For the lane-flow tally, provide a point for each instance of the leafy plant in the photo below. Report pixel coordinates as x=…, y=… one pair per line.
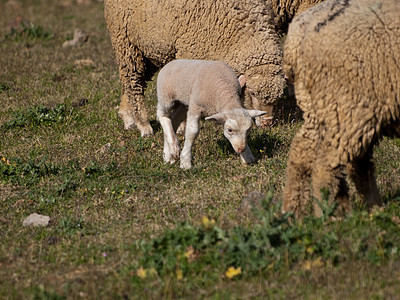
x=26, y=173
x=70, y=226
x=28, y=30
x=38, y=115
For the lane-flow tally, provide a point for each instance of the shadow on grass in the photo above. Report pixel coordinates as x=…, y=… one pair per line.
x=287, y=110
x=393, y=196
x=261, y=144
x=156, y=126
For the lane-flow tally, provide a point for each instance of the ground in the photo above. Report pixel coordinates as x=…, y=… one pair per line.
x=125, y=225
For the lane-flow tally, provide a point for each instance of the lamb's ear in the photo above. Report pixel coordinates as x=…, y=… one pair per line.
x=219, y=118
x=256, y=113
x=242, y=81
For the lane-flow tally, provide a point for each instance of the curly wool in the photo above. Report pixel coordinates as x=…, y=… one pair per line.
x=286, y=10
x=344, y=58
x=147, y=34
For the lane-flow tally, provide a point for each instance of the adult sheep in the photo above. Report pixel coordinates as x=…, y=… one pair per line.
x=344, y=59
x=148, y=34
x=286, y=10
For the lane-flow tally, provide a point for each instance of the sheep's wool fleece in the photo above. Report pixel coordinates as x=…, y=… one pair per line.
x=240, y=33
x=286, y=10
x=344, y=57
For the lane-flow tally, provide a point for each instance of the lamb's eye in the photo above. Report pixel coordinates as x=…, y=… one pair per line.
x=230, y=130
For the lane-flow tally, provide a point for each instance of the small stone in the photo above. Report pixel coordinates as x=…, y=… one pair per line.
x=36, y=220
x=84, y=62
x=3, y=220
x=105, y=148
x=79, y=38
x=253, y=199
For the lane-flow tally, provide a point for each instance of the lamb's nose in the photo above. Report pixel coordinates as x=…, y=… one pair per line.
x=241, y=150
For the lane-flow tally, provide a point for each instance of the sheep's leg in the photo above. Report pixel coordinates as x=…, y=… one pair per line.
x=362, y=172
x=331, y=179
x=132, y=72
x=247, y=157
x=298, y=172
x=192, y=130
x=171, y=143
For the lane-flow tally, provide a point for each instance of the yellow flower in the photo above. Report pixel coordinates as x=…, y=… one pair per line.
x=189, y=254
x=6, y=161
x=141, y=273
x=316, y=263
x=207, y=223
x=179, y=274
x=232, y=272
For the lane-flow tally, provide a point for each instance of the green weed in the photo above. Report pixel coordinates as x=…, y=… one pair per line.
x=37, y=116
x=27, y=30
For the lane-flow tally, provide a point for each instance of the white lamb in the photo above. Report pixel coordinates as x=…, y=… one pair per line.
x=190, y=89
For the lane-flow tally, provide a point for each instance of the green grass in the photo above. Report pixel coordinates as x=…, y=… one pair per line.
x=126, y=225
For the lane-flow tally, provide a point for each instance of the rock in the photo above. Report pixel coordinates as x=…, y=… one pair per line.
x=3, y=220
x=252, y=200
x=79, y=38
x=84, y=63
x=105, y=148
x=36, y=220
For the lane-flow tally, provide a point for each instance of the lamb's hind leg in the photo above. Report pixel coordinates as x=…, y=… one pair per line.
x=171, y=143
x=132, y=75
x=298, y=172
x=362, y=172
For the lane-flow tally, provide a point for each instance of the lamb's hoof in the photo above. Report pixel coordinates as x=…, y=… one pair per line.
x=248, y=160
x=169, y=159
x=181, y=129
x=186, y=166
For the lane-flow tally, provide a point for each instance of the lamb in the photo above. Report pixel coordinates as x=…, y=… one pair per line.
x=190, y=89
x=148, y=34
x=344, y=59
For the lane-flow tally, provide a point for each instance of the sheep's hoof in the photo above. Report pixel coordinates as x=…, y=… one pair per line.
x=264, y=122
x=146, y=131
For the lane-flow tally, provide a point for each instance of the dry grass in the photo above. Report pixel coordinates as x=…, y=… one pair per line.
x=102, y=202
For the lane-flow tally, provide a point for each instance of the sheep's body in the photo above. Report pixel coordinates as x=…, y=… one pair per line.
x=286, y=10
x=344, y=58
x=190, y=89
x=148, y=34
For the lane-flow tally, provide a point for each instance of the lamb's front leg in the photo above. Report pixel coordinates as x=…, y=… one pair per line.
x=192, y=131
x=247, y=157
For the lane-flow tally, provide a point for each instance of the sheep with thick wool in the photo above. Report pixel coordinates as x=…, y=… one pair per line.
x=344, y=59
x=286, y=10
x=191, y=89
x=148, y=34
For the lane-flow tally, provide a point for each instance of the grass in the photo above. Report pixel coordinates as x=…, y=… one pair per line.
x=124, y=224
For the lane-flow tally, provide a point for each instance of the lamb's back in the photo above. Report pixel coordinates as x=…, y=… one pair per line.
x=207, y=83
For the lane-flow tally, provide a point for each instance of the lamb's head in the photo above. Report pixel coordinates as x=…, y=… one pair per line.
x=237, y=123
